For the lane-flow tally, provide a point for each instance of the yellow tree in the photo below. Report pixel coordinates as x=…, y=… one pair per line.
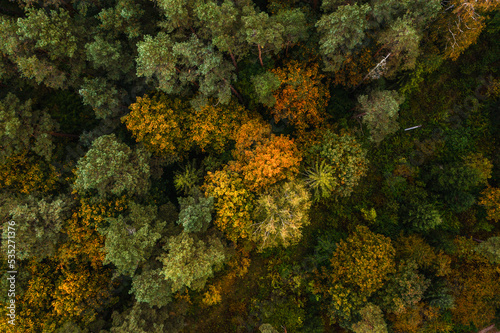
x=475, y=284
x=490, y=200
x=359, y=266
x=158, y=121
x=233, y=203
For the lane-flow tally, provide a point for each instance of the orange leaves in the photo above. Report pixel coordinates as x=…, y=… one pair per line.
x=264, y=158
x=301, y=98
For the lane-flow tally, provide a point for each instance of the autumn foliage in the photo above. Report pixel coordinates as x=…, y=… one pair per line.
x=301, y=98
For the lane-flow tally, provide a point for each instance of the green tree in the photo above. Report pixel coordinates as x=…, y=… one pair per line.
x=223, y=23
x=150, y=287
x=22, y=128
x=401, y=42
x=102, y=96
x=38, y=226
x=490, y=249
x=404, y=288
x=182, y=65
x=341, y=32
x=112, y=167
x=189, y=262
x=142, y=318
x=264, y=85
x=280, y=214
x=130, y=240
x=262, y=30
x=372, y=320
x=196, y=213
x=380, y=111
x=345, y=156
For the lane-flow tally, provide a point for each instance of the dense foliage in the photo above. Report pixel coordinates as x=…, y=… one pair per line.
x=250, y=166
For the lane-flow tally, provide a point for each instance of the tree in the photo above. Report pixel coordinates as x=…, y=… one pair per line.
x=462, y=23
x=177, y=66
x=345, y=157
x=294, y=24
x=301, y=97
x=380, y=111
x=215, y=125
x=372, y=320
x=223, y=22
x=264, y=85
x=474, y=282
x=122, y=18
x=102, y=96
x=320, y=180
x=280, y=214
x=110, y=56
x=150, y=287
x=189, y=262
x=490, y=249
x=359, y=266
x=401, y=42
x=490, y=200
x=44, y=46
x=158, y=121
x=111, y=167
x=22, y=128
x=142, y=318
x=233, y=203
x=405, y=288
x=196, y=213
x=262, y=30
x=341, y=33
x=454, y=183
x=38, y=227
x=264, y=159
x=130, y=240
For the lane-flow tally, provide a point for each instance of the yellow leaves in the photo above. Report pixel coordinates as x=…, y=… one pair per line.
x=490, y=200
x=213, y=296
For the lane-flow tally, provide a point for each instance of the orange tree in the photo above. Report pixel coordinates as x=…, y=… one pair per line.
x=264, y=158
x=302, y=97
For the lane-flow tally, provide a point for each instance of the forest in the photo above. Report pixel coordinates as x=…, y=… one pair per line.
x=267, y=166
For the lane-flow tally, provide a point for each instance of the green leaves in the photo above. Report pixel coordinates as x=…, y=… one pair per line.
x=112, y=168
x=22, y=128
x=341, y=32
x=196, y=213
x=380, y=109
x=189, y=262
x=280, y=214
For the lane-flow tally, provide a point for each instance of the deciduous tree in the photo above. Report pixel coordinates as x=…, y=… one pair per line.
x=280, y=214
x=302, y=97
x=189, y=262
x=111, y=167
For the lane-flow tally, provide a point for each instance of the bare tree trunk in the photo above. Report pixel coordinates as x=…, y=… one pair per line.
x=260, y=55
x=234, y=59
